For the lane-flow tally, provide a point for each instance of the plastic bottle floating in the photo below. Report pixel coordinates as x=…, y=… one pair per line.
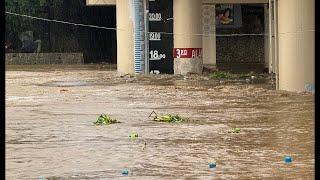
x=212, y=165
x=287, y=159
x=125, y=172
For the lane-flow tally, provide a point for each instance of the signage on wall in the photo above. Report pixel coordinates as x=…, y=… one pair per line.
x=155, y=55
x=224, y=14
x=160, y=37
x=228, y=15
x=191, y=53
x=155, y=17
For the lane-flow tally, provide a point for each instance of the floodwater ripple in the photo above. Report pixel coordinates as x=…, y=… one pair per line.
x=50, y=131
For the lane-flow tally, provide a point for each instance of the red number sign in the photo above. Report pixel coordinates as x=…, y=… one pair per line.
x=193, y=53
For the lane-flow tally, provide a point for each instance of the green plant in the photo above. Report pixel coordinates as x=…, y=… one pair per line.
x=166, y=118
x=26, y=7
x=104, y=119
x=235, y=130
x=220, y=75
x=134, y=135
x=229, y=75
x=246, y=75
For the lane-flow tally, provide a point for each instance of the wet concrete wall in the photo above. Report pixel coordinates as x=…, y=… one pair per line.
x=44, y=58
x=240, y=49
x=244, y=43
x=209, y=38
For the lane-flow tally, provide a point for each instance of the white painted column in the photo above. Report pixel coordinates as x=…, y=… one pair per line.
x=187, y=29
x=296, y=32
x=125, y=45
x=209, y=38
x=267, y=63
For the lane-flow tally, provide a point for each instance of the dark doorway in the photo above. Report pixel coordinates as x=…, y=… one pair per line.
x=100, y=45
x=72, y=36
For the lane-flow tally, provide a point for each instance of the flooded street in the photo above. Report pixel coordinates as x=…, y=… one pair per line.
x=50, y=131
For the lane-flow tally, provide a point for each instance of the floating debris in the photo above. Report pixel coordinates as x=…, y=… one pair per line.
x=145, y=146
x=125, y=172
x=134, y=135
x=248, y=77
x=166, y=118
x=220, y=75
x=126, y=76
x=212, y=165
x=104, y=119
x=234, y=130
x=287, y=159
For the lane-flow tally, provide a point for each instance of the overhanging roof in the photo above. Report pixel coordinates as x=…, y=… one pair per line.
x=234, y=1
x=113, y=2
x=100, y=2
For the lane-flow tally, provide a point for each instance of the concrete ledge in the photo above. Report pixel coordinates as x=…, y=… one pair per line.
x=210, y=66
x=44, y=58
x=257, y=67
x=186, y=66
x=100, y=2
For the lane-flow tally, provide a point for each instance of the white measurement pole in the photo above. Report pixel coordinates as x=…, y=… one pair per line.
x=146, y=38
x=271, y=62
x=276, y=50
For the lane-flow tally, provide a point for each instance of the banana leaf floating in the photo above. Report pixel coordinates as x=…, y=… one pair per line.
x=105, y=119
x=166, y=118
x=234, y=130
x=134, y=135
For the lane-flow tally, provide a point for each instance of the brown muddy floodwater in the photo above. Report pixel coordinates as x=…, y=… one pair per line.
x=50, y=133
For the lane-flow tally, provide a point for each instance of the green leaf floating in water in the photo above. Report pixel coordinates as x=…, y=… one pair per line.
x=104, y=119
x=220, y=75
x=167, y=118
x=234, y=130
x=134, y=135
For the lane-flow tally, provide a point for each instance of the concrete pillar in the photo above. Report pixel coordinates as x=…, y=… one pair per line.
x=187, y=29
x=296, y=33
x=209, y=38
x=125, y=45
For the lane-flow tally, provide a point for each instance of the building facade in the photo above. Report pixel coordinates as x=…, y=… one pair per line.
x=210, y=33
